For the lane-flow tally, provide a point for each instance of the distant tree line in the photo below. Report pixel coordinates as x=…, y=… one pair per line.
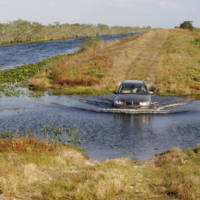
x=20, y=31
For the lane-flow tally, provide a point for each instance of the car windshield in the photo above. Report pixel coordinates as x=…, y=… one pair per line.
x=133, y=89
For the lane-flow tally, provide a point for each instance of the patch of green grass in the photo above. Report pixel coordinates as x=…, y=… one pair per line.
x=193, y=73
x=167, y=94
x=196, y=42
x=91, y=43
x=197, y=29
x=19, y=74
x=6, y=134
x=80, y=90
x=11, y=79
x=72, y=90
x=25, y=72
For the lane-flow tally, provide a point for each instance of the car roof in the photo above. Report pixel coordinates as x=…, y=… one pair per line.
x=132, y=82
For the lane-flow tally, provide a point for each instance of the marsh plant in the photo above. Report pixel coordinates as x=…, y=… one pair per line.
x=61, y=134
x=7, y=134
x=10, y=90
x=11, y=80
x=51, y=133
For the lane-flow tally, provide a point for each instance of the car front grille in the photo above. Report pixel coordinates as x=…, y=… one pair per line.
x=132, y=103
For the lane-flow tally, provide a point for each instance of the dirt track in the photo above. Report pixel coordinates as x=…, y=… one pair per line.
x=138, y=57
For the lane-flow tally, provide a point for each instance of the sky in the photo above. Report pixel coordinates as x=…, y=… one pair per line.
x=156, y=13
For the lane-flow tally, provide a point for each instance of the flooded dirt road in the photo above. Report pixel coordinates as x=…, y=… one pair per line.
x=106, y=135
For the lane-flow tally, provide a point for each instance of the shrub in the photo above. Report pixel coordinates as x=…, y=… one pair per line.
x=187, y=25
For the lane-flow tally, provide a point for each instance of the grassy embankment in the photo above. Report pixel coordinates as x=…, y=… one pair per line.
x=168, y=60
x=35, y=170
x=21, y=31
x=10, y=79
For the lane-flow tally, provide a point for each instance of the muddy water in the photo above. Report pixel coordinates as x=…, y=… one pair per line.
x=106, y=135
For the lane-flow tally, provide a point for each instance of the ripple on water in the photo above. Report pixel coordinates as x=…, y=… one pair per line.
x=106, y=135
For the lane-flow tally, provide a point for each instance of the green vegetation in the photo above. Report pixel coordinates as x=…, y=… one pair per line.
x=34, y=169
x=196, y=41
x=197, y=29
x=21, y=31
x=11, y=79
x=49, y=133
x=168, y=60
x=187, y=25
x=10, y=90
x=25, y=72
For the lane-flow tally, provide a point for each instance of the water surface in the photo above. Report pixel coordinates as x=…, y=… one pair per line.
x=105, y=135
x=16, y=55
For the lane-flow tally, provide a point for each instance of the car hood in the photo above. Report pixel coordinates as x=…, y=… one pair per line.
x=132, y=98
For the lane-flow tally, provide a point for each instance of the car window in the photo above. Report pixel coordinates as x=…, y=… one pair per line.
x=133, y=89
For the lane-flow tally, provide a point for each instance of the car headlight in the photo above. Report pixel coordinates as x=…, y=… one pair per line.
x=118, y=102
x=145, y=103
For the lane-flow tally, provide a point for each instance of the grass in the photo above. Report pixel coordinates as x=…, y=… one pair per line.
x=196, y=41
x=84, y=72
x=25, y=72
x=25, y=31
x=11, y=79
x=32, y=169
x=168, y=60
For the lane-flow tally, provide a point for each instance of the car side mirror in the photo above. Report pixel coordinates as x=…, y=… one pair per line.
x=151, y=92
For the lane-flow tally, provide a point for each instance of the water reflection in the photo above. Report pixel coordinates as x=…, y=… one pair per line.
x=133, y=120
x=105, y=135
x=133, y=124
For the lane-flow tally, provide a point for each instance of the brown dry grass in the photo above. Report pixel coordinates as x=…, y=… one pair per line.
x=26, y=145
x=31, y=169
x=85, y=69
x=168, y=60
x=40, y=82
